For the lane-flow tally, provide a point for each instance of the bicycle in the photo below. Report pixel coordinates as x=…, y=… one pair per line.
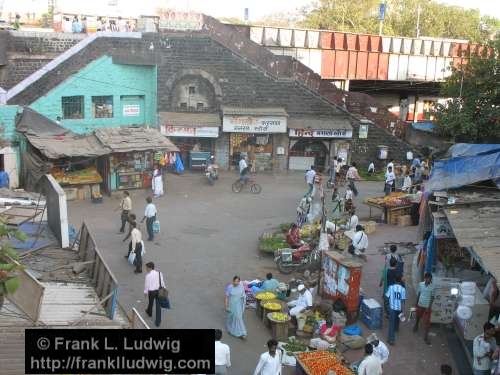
x=238, y=186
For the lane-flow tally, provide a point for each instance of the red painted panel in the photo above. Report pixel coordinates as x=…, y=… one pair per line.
x=383, y=66
x=375, y=43
x=339, y=41
x=455, y=49
x=361, y=65
x=341, y=64
x=371, y=71
x=363, y=42
x=326, y=40
x=457, y=61
x=327, y=63
x=353, y=57
x=351, y=41
x=464, y=49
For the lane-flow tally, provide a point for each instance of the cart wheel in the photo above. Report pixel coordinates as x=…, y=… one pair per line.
x=284, y=268
x=237, y=185
x=255, y=188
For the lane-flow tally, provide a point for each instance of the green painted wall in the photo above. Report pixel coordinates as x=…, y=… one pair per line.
x=133, y=88
x=8, y=122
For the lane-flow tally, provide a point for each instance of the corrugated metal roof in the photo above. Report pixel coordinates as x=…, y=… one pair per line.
x=478, y=227
x=336, y=123
x=69, y=145
x=190, y=119
x=127, y=139
x=259, y=111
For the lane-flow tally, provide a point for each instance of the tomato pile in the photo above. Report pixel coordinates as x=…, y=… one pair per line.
x=321, y=361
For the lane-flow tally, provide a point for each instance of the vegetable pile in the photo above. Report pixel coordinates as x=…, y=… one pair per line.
x=294, y=346
x=274, y=306
x=279, y=317
x=321, y=361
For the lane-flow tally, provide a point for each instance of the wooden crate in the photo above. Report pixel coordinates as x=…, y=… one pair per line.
x=404, y=221
x=395, y=212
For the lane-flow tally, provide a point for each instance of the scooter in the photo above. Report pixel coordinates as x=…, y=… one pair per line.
x=289, y=260
x=211, y=171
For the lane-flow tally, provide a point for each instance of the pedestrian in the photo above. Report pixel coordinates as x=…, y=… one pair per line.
x=353, y=221
x=309, y=177
x=388, y=278
x=484, y=350
x=302, y=210
x=359, y=242
x=222, y=355
x=371, y=169
x=150, y=217
x=131, y=219
x=17, y=22
x=390, y=165
x=270, y=361
x=348, y=196
x=157, y=182
x=243, y=166
x=393, y=253
x=425, y=297
x=446, y=369
x=380, y=350
x=397, y=297
x=125, y=207
x=389, y=180
x=353, y=175
x=235, y=302
x=332, y=170
x=136, y=246
x=407, y=183
x=302, y=303
x=152, y=284
x=370, y=365
x=415, y=206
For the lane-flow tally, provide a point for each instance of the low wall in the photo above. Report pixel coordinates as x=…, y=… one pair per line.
x=101, y=276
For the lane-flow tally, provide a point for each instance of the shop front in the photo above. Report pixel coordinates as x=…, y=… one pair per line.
x=193, y=133
x=254, y=133
x=316, y=141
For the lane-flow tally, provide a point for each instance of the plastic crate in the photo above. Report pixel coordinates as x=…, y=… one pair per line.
x=371, y=313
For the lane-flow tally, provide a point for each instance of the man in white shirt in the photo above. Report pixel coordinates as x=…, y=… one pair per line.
x=150, y=217
x=359, y=241
x=310, y=175
x=353, y=221
x=370, y=365
x=352, y=175
x=484, y=350
x=390, y=165
x=371, y=168
x=243, y=166
x=270, y=361
x=125, y=208
x=380, y=350
x=136, y=246
x=152, y=283
x=222, y=355
x=389, y=180
x=304, y=302
x=407, y=183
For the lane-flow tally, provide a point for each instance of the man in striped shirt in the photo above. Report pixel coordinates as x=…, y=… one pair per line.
x=396, y=294
x=425, y=297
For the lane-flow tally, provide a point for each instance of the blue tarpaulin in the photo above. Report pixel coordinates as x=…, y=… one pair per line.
x=425, y=126
x=470, y=164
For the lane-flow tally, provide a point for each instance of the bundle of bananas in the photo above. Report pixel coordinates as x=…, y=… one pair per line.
x=265, y=296
x=272, y=306
x=279, y=317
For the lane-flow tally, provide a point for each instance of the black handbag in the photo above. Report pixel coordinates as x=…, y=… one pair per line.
x=163, y=295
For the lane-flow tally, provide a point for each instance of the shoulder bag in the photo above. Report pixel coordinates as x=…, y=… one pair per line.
x=351, y=246
x=163, y=295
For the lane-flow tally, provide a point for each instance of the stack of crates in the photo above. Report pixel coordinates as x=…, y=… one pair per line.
x=371, y=313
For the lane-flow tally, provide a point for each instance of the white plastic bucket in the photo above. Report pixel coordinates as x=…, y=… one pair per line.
x=468, y=287
x=467, y=300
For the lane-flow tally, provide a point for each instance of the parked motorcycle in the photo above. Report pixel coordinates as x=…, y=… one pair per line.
x=211, y=171
x=305, y=257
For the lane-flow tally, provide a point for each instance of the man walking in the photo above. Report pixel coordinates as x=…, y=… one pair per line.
x=484, y=350
x=152, y=284
x=150, y=217
x=370, y=365
x=352, y=175
x=222, y=355
x=397, y=297
x=380, y=350
x=125, y=207
x=425, y=297
x=310, y=175
x=389, y=180
x=136, y=246
x=270, y=361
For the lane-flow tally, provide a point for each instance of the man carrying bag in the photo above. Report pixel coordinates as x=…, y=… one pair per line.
x=153, y=284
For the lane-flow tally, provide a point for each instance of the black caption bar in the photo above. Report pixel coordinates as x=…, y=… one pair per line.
x=123, y=351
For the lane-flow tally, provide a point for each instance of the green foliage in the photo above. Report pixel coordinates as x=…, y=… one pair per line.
x=473, y=113
x=9, y=281
x=269, y=245
x=436, y=20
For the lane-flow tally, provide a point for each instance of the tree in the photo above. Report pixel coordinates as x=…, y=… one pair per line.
x=473, y=113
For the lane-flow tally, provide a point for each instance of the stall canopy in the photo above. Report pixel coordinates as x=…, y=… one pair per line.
x=468, y=164
x=68, y=146
x=130, y=139
x=190, y=119
x=32, y=122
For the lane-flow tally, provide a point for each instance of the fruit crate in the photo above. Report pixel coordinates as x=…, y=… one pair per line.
x=395, y=212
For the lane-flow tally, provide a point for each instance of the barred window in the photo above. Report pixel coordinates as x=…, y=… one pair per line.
x=102, y=106
x=72, y=107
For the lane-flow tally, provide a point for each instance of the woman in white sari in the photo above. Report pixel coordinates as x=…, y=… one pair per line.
x=157, y=182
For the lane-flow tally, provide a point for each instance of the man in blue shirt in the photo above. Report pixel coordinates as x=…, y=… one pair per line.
x=4, y=179
x=396, y=294
x=270, y=284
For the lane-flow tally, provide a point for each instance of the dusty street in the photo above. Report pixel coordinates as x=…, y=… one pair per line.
x=209, y=234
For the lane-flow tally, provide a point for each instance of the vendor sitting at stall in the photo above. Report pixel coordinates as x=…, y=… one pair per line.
x=270, y=284
x=293, y=237
x=302, y=303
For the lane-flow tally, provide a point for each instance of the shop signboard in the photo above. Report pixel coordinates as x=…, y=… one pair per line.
x=442, y=227
x=173, y=20
x=187, y=131
x=363, y=131
x=320, y=133
x=131, y=110
x=251, y=124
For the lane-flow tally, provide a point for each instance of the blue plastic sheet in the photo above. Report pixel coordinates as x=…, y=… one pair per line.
x=471, y=149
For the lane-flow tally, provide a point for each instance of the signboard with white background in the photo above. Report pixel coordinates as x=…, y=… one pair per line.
x=251, y=124
x=187, y=131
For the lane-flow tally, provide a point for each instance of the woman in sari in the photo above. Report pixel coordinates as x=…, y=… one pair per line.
x=235, y=307
x=328, y=331
x=157, y=182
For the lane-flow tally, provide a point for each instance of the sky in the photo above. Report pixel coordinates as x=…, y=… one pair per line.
x=216, y=8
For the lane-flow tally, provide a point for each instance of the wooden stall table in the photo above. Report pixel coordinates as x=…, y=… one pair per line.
x=262, y=297
x=279, y=328
x=274, y=305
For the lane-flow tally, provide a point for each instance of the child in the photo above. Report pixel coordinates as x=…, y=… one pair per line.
x=348, y=199
x=371, y=169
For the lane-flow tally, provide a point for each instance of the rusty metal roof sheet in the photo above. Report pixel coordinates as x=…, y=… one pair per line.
x=128, y=139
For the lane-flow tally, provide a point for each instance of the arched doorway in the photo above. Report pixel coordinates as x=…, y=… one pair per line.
x=307, y=152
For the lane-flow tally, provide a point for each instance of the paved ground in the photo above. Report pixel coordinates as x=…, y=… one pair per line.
x=209, y=234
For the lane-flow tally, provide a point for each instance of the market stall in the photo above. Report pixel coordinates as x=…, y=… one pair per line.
x=321, y=362
x=396, y=208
